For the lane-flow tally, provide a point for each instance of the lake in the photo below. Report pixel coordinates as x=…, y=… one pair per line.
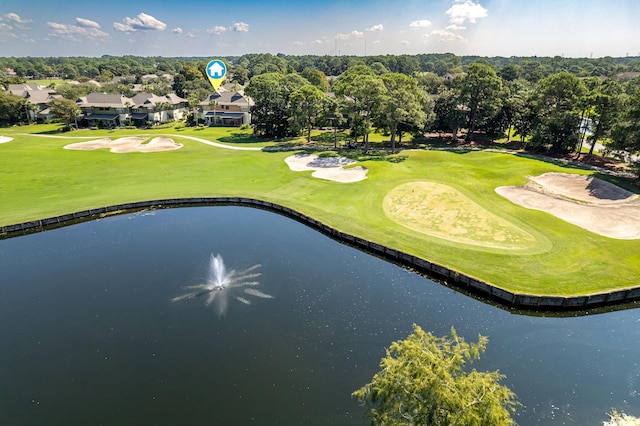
x=91, y=331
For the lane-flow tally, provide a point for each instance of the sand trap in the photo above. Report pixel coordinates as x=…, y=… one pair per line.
x=129, y=144
x=329, y=168
x=4, y=139
x=584, y=201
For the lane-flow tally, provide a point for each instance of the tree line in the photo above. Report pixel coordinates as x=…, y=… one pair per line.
x=250, y=65
x=558, y=113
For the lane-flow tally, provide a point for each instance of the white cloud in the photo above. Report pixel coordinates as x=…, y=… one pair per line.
x=142, y=22
x=177, y=30
x=378, y=27
x=87, y=23
x=72, y=32
x=298, y=43
x=423, y=23
x=14, y=17
x=405, y=42
x=455, y=27
x=354, y=33
x=317, y=41
x=241, y=27
x=465, y=11
x=217, y=30
x=444, y=35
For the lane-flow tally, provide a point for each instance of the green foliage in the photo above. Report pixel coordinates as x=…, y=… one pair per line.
x=306, y=103
x=621, y=419
x=271, y=94
x=404, y=103
x=12, y=108
x=423, y=381
x=64, y=109
x=479, y=91
x=557, y=100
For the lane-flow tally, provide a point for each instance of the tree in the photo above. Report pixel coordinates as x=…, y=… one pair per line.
x=449, y=115
x=307, y=103
x=423, y=382
x=606, y=105
x=557, y=100
x=429, y=82
x=64, y=109
x=625, y=134
x=12, y=107
x=240, y=75
x=271, y=95
x=479, y=91
x=316, y=78
x=514, y=104
x=365, y=92
x=404, y=103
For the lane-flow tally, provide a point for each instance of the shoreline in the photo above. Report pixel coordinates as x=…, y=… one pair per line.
x=530, y=303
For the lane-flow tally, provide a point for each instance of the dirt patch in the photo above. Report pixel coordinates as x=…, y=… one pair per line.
x=4, y=139
x=128, y=144
x=585, y=201
x=329, y=168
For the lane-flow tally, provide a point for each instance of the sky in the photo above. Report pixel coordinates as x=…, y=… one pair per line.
x=569, y=28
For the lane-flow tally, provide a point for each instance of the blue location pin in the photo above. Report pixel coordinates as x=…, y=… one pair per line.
x=216, y=70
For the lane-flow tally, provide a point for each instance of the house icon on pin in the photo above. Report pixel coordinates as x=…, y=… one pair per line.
x=216, y=69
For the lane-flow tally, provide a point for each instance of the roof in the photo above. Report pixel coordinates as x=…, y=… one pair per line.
x=228, y=98
x=25, y=87
x=149, y=100
x=40, y=96
x=104, y=100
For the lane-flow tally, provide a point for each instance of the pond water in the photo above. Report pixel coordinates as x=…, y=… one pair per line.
x=91, y=334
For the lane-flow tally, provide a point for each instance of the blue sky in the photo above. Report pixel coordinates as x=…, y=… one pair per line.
x=570, y=28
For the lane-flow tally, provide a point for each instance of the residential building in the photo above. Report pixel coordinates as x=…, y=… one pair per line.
x=226, y=108
x=37, y=96
x=105, y=109
x=148, y=107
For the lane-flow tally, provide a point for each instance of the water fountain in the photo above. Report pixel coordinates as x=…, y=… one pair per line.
x=221, y=285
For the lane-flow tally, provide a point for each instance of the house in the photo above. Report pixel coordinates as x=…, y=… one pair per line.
x=105, y=109
x=37, y=96
x=226, y=108
x=10, y=72
x=148, y=107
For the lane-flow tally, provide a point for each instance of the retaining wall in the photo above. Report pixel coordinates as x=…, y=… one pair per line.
x=448, y=277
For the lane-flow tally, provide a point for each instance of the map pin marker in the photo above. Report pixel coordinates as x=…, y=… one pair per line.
x=216, y=70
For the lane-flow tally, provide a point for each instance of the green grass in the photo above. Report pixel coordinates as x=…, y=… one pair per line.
x=38, y=179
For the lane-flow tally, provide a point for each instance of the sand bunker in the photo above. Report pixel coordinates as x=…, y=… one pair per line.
x=584, y=201
x=4, y=139
x=129, y=144
x=329, y=168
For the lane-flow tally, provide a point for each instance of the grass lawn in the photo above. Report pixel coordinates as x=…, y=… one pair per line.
x=541, y=254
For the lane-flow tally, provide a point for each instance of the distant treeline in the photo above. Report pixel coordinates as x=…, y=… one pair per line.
x=246, y=66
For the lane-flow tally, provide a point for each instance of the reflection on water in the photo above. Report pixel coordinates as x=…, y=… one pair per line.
x=90, y=335
x=222, y=285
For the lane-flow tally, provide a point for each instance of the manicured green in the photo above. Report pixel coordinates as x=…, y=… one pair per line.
x=38, y=179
